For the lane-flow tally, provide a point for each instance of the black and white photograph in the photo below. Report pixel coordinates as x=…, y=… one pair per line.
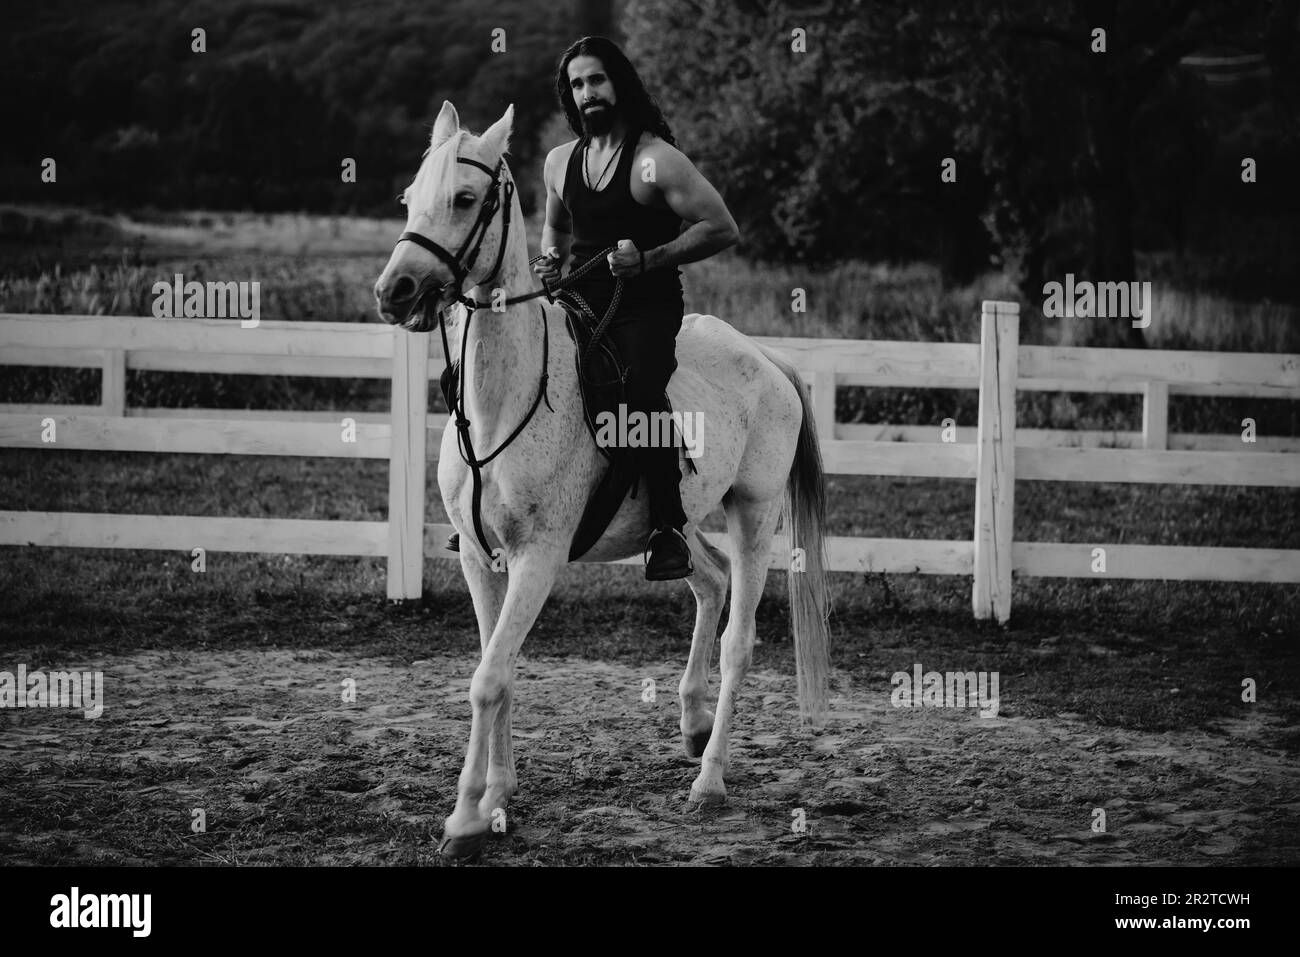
x=462, y=434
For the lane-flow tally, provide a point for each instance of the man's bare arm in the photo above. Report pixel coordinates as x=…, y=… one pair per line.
x=557, y=231
x=711, y=227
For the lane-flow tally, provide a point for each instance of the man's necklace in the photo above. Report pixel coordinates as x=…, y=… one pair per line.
x=586, y=149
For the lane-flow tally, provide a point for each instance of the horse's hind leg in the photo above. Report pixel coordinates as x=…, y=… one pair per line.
x=709, y=583
x=751, y=524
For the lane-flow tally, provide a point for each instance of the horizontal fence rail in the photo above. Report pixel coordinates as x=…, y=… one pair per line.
x=994, y=453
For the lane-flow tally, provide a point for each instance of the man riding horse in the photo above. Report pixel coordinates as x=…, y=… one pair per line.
x=624, y=179
x=525, y=500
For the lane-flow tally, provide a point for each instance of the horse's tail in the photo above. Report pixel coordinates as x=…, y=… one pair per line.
x=804, y=517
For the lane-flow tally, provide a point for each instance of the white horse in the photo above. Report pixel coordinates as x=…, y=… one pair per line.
x=760, y=452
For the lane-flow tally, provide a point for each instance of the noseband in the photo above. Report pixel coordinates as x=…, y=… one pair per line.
x=459, y=265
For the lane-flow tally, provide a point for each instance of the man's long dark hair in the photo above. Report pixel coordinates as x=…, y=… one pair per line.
x=638, y=106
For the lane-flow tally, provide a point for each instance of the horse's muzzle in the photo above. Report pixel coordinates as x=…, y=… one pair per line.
x=424, y=317
x=406, y=303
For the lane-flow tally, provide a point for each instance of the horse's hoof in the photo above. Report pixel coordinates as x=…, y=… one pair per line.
x=462, y=849
x=708, y=797
x=696, y=743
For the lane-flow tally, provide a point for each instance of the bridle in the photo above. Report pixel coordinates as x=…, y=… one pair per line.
x=458, y=263
x=461, y=266
x=460, y=270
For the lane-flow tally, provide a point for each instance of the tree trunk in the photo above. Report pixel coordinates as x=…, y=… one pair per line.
x=1109, y=108
x=1109, y=121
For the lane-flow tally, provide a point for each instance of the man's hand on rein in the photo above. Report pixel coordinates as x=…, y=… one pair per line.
x=548, y=267
x=626, y=261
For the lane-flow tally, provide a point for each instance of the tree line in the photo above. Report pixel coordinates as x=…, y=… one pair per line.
x=1033, y=138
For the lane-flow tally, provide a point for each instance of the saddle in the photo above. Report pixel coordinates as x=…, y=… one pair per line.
x=602, y=380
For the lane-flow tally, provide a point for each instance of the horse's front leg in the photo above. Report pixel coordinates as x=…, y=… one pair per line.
x=487, y=588
x=530, y=577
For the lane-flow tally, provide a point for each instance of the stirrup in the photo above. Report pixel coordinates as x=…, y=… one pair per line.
x=678, y=572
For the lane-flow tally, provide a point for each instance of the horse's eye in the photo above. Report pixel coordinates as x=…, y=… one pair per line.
x=464, y=201
x=401, y=198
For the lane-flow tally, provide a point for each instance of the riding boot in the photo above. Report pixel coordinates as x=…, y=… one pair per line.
x=668, y=556
x=669, y=552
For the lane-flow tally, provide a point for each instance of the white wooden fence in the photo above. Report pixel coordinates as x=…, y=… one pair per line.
x=995, y=456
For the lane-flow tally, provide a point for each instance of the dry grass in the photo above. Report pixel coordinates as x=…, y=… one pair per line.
x=323, y=267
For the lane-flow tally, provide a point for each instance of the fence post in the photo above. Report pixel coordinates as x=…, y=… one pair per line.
x=995, y=472
x=112, y=395
x=823, y=403
x=1155, y=415
x=406, y=464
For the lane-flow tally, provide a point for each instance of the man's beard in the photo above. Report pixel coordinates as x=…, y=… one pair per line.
x=598, y=122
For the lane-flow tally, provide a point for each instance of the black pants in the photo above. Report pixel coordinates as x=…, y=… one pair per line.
x=647, y=345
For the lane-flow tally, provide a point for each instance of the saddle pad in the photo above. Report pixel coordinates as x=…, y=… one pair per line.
x=601, y=383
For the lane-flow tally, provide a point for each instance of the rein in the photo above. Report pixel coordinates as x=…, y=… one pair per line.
x=460, y=273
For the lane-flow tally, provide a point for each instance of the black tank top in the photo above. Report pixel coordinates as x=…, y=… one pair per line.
x=602, y=218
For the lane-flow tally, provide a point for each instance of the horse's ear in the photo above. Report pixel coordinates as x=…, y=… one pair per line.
x=497, y=138
x=447, y=123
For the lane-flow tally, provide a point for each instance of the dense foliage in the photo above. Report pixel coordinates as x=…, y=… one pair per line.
x=1065, y=158
x=263, y=119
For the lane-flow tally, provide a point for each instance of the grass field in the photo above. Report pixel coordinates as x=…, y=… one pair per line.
x=1137, y=666
x=323, y=268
